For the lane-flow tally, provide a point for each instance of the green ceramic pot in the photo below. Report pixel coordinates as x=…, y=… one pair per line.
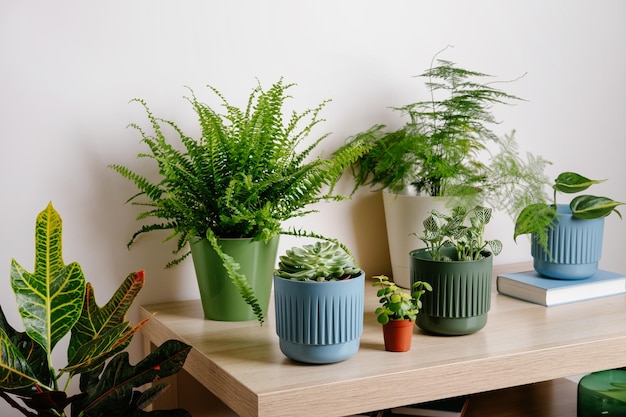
x=602, y=394
x=461, y=296
x=220, y=298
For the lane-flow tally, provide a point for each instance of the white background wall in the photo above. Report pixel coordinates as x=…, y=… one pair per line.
x=69, y=68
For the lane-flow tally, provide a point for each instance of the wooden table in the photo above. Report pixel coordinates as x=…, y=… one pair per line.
x=522, y=343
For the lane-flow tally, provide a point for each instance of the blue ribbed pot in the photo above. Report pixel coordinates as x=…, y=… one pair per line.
x=575, y=246
x=461, y=295
x=319, y=322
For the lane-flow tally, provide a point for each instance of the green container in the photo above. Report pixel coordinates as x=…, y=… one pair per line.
x=220, y=298
x=461, y=296
x=602, y=394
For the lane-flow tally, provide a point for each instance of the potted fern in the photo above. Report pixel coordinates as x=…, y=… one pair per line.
x=227, y=192
x=55, y=301
x=457, y=263
x=443, y=156
x=398, y=311
x=566, y=239
x=318, y=296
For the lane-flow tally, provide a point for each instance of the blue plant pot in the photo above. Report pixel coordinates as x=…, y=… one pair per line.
x=575, y=247
x=319, y=322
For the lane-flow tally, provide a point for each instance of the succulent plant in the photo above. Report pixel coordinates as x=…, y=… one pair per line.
x=321, y=261
x=397, y=304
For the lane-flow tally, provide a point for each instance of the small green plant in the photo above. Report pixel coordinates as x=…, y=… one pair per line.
x=462, y=230
x=321, y=261
x=396, y=303
x=248, y=172
x=446, y=147
x=54, y=301
x=537, y=218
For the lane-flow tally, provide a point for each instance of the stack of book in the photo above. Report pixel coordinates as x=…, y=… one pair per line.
x=530, y=286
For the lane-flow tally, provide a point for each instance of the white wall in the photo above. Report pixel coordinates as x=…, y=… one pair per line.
x=68, y=69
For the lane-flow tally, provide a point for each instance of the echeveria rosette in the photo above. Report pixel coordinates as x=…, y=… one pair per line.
x=321, y=261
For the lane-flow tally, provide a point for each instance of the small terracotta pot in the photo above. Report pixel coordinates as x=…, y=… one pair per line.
x=398, y=335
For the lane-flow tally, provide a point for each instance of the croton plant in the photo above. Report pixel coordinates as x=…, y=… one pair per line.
x=55, y=300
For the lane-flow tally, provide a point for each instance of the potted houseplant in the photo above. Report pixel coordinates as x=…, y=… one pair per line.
x=566, y=239
x=55, y=301
x=318, y=295
x=398, y=311
x=444, y=156
x=227, y=192
x=457, y=262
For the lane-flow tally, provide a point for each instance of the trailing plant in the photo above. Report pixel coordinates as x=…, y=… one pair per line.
x=537, y=218
x=396, y=303
x=444, y=147
x=249, y=171
x=462, y=230
x=55, y=300
x=321, y=261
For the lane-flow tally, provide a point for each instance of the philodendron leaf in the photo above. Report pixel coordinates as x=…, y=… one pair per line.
x=50, y=299
x=114, y=388
x=570, y=182
x=592, y=207
x=533, y=219
x=95, y=321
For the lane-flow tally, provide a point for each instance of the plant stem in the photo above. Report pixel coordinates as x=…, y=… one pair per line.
x=15, y=405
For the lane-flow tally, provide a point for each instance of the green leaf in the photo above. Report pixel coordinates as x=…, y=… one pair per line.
x=94, y=352
x=533, y=219
x=50, y=299
x=592, y=207
x=96, y=321
x=114, y=388
x=32, y=352
x=570, y=182
x=14, y=369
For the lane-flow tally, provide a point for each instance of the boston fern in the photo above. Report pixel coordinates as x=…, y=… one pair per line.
x=248, y=171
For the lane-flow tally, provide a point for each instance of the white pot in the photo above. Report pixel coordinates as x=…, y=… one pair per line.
x=405, y=215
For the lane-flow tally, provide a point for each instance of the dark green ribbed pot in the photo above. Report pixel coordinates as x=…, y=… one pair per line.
x=461, y=295
x=220, y=298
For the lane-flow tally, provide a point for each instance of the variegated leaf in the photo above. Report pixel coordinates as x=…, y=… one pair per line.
x=94, y=352
x=94, y=321
x=34, y=354
x=115, y=385
x=50, y=299
x=14, y=369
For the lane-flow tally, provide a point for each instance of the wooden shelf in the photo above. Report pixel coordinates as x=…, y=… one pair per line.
x=522, y=343
x=555, y=398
